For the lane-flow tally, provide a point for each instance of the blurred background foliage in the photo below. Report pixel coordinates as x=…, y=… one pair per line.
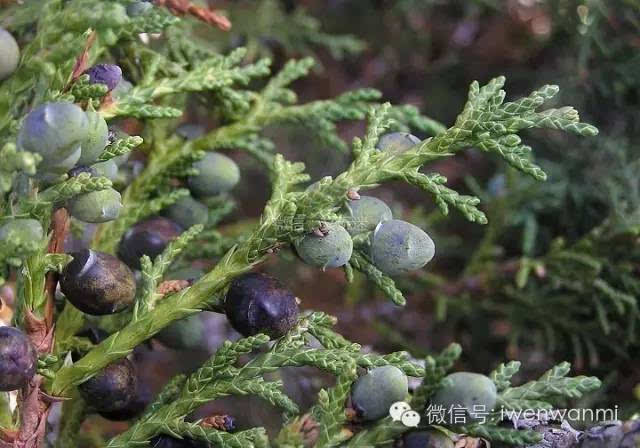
x=556, y=273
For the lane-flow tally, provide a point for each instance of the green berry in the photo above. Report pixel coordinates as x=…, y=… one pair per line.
x=9, y=54
x=187, y=212
x=98, y=283
x=18, y=359
x=365, y=214
x=96, y=206
x=56, y=131
x=113, y=388
x=108, y=169
x=374, y=393
x=473, y=392
x=190, y=131
x=189, y=333
x=96, y=139
x=397, y=142
x=398, y=247
x=121, y=90
x=21, y=229
x=139, y=8
x=186, y=273
x=331, y=250
x=217, y=174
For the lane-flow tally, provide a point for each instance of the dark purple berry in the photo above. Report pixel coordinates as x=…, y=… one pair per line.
x=113, y=389
x=148, y=237
x=108, y=74
x=98, y=283
x=172, y=442
x=257, y=303
x=426, y=439
x=94, y=334
x=141, y=399
x=18, y=359
x=73, y=172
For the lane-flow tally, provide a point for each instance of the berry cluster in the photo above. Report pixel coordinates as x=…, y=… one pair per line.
x=395, y=247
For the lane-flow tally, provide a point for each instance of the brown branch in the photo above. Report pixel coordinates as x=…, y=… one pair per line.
x=184, y=7
x=36, y=404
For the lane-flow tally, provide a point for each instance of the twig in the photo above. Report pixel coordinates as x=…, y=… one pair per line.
x=36, y=405
x=183, y=7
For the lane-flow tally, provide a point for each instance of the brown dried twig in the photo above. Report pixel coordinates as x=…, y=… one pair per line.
x=184, y=7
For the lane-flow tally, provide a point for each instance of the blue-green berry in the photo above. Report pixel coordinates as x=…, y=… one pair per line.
x=398, y=247
x=96, y=139
x=18, y=359
x=364, y=214
x=108, y=169
x=474, y=394
x=190, y=131
x=9, y=54
x=187, y=212
x=96, y=206
x=332, y=249
x=397, y=142
x=22, y=229
x=56, y=131
x=139, y=8
x=217, y=174
x=190, y=333
x=121, y=89
x=375, y=392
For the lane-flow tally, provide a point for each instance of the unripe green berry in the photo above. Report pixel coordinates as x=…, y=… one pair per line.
x=96, y=139
x=187, y=212
x=96, y=206
x=398, y=247
x=139, y=8
x=122, y=89
x=331, y=250
x=365, y=214
x=21, y=229
x=189, y=333
x=113, y=388
x=190, y=131
x=18, y=359
x=473, y=392
x=217, y=174
x=56, y=131
x=397, y=142
x=375, y=392
x=98, y=283
x=108, y=169
x=9, y=54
